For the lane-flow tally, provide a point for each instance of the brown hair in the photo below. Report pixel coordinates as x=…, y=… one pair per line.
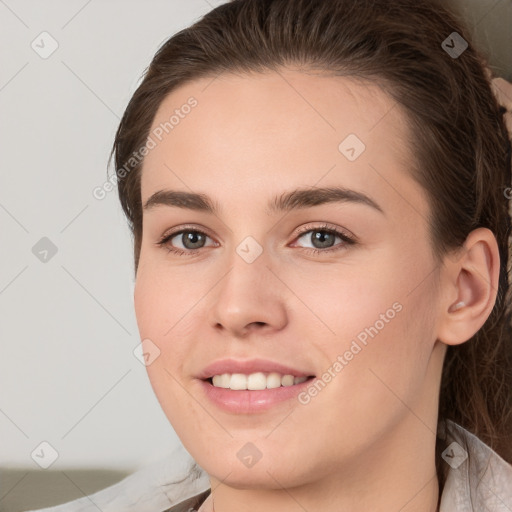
x=457, y=136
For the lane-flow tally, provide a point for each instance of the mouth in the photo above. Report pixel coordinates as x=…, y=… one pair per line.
x=251, y=386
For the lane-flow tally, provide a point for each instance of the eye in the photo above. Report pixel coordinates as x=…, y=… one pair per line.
x=185, y=241
x=324, y=239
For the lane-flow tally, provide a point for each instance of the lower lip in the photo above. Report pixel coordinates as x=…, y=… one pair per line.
x=247, y=401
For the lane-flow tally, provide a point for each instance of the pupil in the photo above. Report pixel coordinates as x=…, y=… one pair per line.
x=322, y=239
x=192, y=240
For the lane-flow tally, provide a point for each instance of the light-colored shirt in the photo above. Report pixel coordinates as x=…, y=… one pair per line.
x=478, y=480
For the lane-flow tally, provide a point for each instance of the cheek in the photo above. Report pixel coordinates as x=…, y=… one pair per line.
x=379, y=319
x=164, y=297
x=166, y=304
x=156, y=313
x=378, y=357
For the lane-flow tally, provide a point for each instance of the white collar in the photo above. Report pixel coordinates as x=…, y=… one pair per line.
x=478, y=478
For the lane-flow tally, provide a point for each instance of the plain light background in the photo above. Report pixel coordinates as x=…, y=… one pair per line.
x=68, y=374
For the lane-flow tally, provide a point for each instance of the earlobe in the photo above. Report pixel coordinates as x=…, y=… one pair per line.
x=471, y=284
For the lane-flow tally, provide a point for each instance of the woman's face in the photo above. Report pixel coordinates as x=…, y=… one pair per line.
x=282, y=162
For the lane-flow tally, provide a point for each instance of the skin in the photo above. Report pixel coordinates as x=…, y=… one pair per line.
x=366, y=441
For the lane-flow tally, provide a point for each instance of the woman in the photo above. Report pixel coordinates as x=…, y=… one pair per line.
x=318, y=192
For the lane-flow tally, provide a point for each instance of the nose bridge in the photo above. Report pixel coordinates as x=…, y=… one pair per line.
x=246, y=295
x=247, y=277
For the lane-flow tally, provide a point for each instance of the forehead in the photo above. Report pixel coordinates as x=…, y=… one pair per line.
x=259, y=131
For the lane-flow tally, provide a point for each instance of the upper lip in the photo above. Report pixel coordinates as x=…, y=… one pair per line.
x=249, y=366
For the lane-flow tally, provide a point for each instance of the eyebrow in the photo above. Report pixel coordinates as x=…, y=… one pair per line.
x=293, y=200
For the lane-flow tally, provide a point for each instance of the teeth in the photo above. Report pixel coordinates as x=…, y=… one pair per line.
x=273, y=380
x=255, y=381
x=287, y=380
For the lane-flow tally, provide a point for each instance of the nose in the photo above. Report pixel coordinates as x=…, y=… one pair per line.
x=249, y=298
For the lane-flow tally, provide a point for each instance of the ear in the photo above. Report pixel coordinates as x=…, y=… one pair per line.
x=470, y=283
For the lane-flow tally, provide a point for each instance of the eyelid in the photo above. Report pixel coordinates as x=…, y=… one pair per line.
x=325, y=226
x=185, y=227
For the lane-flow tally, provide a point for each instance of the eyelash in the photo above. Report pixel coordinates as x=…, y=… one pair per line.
x=347, y=240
